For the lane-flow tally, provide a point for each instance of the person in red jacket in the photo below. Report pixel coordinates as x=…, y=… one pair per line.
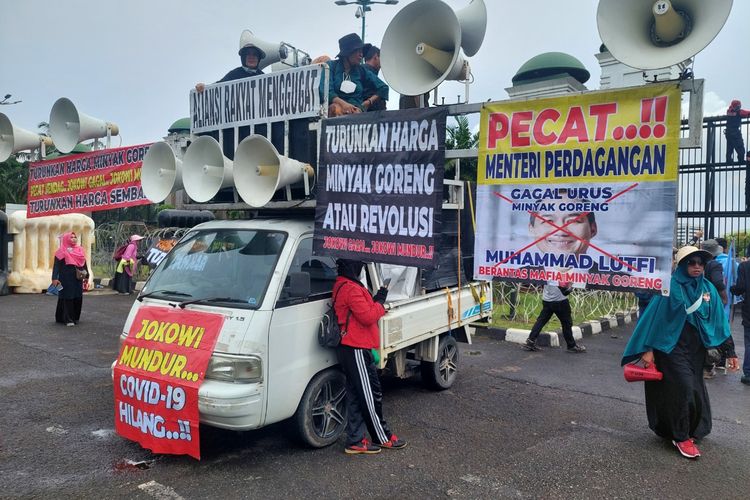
x=735, y=114
x=359, y=313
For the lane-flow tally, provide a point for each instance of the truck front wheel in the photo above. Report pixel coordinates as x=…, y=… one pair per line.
x=321, y=415
x=442, y=373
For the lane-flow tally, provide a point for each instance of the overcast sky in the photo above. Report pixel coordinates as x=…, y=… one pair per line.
x=134, y=62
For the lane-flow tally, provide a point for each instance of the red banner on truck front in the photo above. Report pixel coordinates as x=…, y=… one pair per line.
x=87, y=182
x=161, y=365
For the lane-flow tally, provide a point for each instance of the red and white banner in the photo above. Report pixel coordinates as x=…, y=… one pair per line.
x=87, y=182
x=161, y=365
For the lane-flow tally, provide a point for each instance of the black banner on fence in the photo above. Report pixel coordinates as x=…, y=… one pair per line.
x=380, y=186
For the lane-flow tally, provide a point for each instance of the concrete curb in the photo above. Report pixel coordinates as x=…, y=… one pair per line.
x=555, y=338
x=107, y=283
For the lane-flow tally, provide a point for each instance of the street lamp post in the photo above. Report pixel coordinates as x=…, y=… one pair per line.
x=5, y=102
x=363, y=8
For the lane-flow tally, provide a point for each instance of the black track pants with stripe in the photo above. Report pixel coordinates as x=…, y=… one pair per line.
x=364, y=397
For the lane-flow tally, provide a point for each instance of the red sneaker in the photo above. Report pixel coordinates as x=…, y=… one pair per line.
x=364, y=446
x=687, y=448
x=394, y=443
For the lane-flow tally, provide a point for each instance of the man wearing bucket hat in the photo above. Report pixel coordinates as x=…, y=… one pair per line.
x=250, y=57
x=126, y=267
x=674, y=334
x=350, y=82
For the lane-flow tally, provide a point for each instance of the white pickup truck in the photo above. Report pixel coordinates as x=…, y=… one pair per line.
x=267, y=366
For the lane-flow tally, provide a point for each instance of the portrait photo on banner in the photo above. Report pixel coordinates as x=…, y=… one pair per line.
x=599, y=245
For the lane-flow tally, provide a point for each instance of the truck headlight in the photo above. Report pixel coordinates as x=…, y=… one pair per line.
x=236, y=369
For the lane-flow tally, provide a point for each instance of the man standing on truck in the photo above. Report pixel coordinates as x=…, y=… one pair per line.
x=250, y=57
x=360, y=313
x=372, y=63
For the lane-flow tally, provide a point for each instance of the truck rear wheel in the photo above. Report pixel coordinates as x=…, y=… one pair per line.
x=321, y=415
x=442, y=373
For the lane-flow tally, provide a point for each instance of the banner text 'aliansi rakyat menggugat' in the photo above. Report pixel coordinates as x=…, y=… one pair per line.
x=580, y=189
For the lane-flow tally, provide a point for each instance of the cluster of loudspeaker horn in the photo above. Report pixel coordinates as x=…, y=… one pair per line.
x=655, y=34
x=257, y=172
x=67, y=127
x=279, y=55
x=14, y=139
x=422, y=45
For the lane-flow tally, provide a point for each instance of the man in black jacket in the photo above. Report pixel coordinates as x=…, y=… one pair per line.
x=741, y=288
x=250, y=58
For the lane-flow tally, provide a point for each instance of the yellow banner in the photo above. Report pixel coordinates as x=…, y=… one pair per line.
x=609, y=136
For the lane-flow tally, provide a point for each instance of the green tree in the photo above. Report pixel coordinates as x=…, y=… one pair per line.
x=14, y=179
x=459, y=136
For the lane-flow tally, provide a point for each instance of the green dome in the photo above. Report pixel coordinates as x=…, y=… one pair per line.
x=181, y=125
x=80, y=148
x=550, y=65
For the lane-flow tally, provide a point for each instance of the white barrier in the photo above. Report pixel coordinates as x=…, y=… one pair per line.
x=34, y=244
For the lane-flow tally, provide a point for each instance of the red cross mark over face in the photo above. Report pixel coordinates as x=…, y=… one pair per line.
x=571, y=231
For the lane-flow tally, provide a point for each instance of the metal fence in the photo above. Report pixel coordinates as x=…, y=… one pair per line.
x=521, y=303
x=111, y=235
x=712, y=192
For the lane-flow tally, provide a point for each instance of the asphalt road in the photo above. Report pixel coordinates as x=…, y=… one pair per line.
x=514, y=425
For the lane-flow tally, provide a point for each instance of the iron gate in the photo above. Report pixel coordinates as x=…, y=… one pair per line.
x=713, y=194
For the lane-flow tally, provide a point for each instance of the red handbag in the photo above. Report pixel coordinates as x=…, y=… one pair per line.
x=635, y=373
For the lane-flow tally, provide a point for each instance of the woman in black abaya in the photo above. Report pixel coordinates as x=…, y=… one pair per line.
x=675, y=333
x=69, y=259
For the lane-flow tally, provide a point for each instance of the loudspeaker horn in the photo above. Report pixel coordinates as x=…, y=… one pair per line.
x=161, y=172
x=422, y=47
x=261, y=171
x=68, y=126
x=655, y=34
x=275, y=52
x=205, y=169
x=14, y=139
x=473, y=21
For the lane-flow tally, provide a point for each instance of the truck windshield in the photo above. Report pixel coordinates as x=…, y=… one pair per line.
x=236, y=264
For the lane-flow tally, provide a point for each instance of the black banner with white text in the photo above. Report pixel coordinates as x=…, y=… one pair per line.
x=380, y=186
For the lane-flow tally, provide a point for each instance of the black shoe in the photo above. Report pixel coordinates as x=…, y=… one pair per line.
x=577, y=349
x=394, y=443
x=363, y=447
x=530, y=345
x=745, y=379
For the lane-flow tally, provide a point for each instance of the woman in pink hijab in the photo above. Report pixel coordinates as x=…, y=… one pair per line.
x=126, y=267
x=70, y=263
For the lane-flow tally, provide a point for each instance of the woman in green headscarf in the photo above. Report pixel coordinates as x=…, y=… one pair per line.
x=674, y=333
